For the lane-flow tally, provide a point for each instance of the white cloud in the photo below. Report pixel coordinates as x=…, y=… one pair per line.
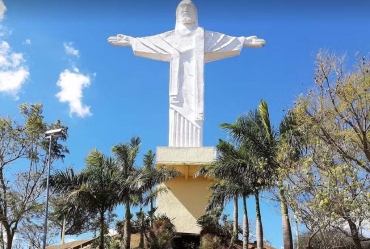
x=2, y=9
x=13, y=72
x=27, y=41
x=69, y=49
x=71, y=84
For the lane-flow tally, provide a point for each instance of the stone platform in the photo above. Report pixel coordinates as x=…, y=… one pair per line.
x=187, y=197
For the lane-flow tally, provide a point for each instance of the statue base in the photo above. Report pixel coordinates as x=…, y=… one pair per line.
x=187, y=196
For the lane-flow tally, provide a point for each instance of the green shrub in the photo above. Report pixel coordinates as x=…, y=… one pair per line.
x=162, y=234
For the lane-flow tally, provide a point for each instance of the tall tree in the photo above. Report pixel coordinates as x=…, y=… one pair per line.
x=94, y=189
x=289, y=152
x=152, y=177
x=69, y=218
x=32, y=234
x=23, y=163
x=232, y=171
x=331, y=186
x=131, y=181
x=254, y=133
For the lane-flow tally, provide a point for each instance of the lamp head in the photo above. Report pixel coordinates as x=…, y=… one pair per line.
x=54, y=133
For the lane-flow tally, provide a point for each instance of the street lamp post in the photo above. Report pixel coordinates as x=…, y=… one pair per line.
x=49, y=134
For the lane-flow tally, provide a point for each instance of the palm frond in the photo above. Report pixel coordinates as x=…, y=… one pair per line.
x=265, y=117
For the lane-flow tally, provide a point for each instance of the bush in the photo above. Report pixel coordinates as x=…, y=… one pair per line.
x=162, y=234
x=215, y=234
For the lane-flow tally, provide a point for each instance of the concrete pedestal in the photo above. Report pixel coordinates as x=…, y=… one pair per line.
x=187, y=197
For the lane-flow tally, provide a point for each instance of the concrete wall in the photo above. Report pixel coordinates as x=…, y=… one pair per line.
x=184, y=203
x=187, y=197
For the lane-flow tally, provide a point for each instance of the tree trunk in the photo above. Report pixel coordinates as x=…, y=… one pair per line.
x=63, y=233
x=287, y=230
x=297, y=233
x=141, y=243
x=245, y=224
x=308, y=245
x=127, y=226
x=354, y=234
x=101, y=236
x=235, y=225
x=2, y=244
x=9, y=237
x=259, y=228
x=151, y=212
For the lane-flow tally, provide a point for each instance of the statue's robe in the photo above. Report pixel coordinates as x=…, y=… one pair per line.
x=187, y=54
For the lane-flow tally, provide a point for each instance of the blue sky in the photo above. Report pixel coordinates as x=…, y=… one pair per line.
x=55, y=52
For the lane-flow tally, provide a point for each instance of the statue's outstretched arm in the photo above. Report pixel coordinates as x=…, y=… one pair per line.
x=120, y=40
x=253, y=42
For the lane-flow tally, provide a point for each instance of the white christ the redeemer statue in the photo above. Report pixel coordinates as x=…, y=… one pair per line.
x=187, y=48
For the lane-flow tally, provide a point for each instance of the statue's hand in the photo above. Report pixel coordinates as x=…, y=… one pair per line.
x=120, y=40
x=254, y=42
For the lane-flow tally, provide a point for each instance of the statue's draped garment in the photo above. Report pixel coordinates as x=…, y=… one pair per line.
x=187, y=54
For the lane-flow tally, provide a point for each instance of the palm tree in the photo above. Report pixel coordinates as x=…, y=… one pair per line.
x=253, y=132
x=131, y=181
x=286, y=148
x=230, y=170
x=224, y=191
x=69, y=218
x=93, y=189
x=152, y=178
x=290, y=148
x=272, y=152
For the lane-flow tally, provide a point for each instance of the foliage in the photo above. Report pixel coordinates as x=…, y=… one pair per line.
x=255, y=159
x=153, y=178
x=23, y=163
x=288, y=152
x=130, y=181
x=230, y=183
x=139, y=225
x=142, y=222
x=92, y=190
x=329, y=188
x=159, y=235
x=336, y=109
x=249, y=159
x=216, y=223
x=217, y=230
x=253, y=132
x=32, y=233
x=162, y=234
x=136, y=186
x=186, y=241
x=77, y=219
x=211, y=241
x=333, y=239
x=86, y=200
x=110, y=242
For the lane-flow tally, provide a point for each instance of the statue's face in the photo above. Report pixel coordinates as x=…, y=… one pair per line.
x=186, y=13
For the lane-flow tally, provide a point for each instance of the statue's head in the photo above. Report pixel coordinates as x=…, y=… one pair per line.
x=186, y=13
